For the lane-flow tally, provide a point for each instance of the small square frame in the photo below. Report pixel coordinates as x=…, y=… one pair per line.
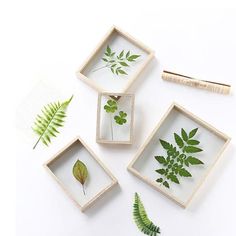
x=115, y=96
x=93, y=155
x=196, y=119
x=128, y=37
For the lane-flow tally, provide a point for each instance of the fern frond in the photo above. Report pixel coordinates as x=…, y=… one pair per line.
x=141, y=219
x=47, y=123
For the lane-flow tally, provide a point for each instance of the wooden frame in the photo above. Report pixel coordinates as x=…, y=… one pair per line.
x=108, y=173
x=196, y=83
x=115, y=96
x=154, y=184
x=103, y=42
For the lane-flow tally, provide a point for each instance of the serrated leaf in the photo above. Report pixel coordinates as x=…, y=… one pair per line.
x=121, y=54
x=122, y=72
x=159, y=180
x=193, y=132
x=184, y=135
x=174, y=178
x=183, y=172
x=194, y=161
x=192, y=142
x=104, y=59
x=166, y=184
x=160, y=159
x=178, y=140
x=127, y=54
x=192, y=149
x=133, y=57
x=165, y=144
x=80, y=172
x=108, y=50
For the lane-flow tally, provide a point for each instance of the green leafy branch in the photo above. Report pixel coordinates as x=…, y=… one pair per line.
x=178, y=158
x=111, y=107
x=46, y=125
x=141, y=219
x=117, y=63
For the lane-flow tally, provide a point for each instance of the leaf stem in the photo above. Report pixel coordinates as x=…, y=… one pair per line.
x=111, y=127
x=37, y=142
x=99, y=68
x=83, y=189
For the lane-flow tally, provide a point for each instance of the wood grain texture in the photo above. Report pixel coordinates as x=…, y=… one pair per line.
x=201, y=84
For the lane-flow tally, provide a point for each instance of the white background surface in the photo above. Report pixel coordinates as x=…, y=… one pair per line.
x=49, y=40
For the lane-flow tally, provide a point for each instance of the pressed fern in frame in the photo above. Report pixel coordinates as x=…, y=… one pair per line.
x=52, y=117
x=141, y=219
x=178, y=158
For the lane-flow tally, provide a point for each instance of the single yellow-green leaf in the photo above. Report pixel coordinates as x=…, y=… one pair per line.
x=80, y=172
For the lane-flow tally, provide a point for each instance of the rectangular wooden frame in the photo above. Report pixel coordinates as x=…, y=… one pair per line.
x=93, y=84
x=98, y=140
x=197, y=120
x=96, y=197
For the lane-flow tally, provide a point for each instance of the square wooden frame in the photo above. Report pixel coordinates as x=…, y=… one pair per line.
x=114, y=95
x=97, y=196
x=128, y=37
x=200, y=122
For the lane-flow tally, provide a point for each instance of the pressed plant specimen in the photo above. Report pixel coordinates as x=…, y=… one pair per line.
x=117, y=62
x=141, y=219
x=178, y=157
x=46, y=125
x=80, y=172
x=111, y=107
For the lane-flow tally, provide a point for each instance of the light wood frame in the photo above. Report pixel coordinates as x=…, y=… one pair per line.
x=93, y=155
x=128, y=37
x=155, y=185
x=115, y=96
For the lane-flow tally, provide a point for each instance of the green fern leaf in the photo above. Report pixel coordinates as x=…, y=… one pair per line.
x=52, y=117
x=141, y=218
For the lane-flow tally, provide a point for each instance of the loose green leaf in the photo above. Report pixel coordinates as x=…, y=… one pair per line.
x=178, y=140
x=133, y=57
x=141, y=219
x=192, y=149
x=194, y=161
x=45, y=125
x=80, y=172
x=193, y=132
x=184, y=135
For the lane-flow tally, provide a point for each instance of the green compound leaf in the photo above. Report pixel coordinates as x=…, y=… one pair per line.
x=193, y=132
x=172, y=165
x=111, y=106
x=121, y=118
x=80, y=172
x=194, y=161
x=47, y=123
x=117, y=62
x=141, y=219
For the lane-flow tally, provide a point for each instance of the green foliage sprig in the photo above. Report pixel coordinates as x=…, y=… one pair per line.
x=111, y=107
x=117, y=63
x=141, y=219
x=47, y=123
x=179, y=158
x=80, y=172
